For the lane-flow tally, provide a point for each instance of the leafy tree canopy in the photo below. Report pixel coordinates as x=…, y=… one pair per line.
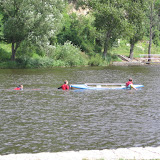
x=32, y=20
x=109, y=20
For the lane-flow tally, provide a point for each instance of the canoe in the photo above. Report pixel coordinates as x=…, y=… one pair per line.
x=102, y=86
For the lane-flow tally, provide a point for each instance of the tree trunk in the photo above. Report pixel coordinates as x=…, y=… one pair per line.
x=149, y=47
x=106, y=45
x=131, y=51
x=14, y=49
x=150, y=35
x=105, y=51
x=151, y=32
x=13, y=52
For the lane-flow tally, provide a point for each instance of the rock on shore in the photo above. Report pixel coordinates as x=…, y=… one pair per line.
x=106, y=154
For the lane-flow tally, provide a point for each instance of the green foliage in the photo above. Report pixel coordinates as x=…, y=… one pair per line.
x=28, y=49
x=1, y=27
x=140, y=48
x=79, y=30
x=40, y=62
x=97, y=60
x=34, y=62
x=111, y=57
x=69, y=54
x=136, y=19
x=4, y=55
x=122, y=49
x=155, y=21
x=109, y=20
x=31, y=20
x=156, y=38
x=44, y=37
x=8, y=64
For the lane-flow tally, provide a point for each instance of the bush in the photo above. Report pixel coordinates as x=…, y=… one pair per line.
x=68, y=55
x=111, y=58
x=9, y=64
x=34, y=62
x=60, y=55
x=96, y=60
x=4, y=55
x=58, y=63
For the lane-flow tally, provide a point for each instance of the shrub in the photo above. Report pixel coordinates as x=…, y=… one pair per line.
x=96, y=60
x=34, y=62
x=9, y=64
x=69, y=54
x=4, y=55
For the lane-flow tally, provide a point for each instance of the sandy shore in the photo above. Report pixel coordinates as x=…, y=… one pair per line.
x=106, y=154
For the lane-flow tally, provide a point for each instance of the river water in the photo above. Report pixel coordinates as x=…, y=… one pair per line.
x=42, y=118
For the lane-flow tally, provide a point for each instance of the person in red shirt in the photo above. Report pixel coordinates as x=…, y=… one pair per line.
x=20, y=87
x=129, y=84
x=64, y=86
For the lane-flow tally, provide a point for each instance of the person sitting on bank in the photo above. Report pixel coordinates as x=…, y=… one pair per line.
x=65, y=86
x=129, y=84
x=20, y=87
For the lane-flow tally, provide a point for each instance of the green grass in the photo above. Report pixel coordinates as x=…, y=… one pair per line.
x=140, y=48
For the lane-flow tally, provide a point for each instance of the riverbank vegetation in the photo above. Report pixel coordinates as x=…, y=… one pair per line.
x=52, y=33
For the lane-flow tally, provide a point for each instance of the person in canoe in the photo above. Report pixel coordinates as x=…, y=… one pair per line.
x=65, y=86
x=20, y=87
x=129, y=84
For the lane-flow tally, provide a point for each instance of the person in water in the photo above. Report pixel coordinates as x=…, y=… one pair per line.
x=129, y=84
x=65, y=86
x=20, y=87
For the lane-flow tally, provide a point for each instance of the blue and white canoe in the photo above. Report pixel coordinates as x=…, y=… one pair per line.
x=102, y=86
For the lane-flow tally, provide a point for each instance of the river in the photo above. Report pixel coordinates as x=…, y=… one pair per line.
x=42, y=118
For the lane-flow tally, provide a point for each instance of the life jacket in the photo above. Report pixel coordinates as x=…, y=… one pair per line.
x=64, y=87
x=128, y=83
x=18, y=88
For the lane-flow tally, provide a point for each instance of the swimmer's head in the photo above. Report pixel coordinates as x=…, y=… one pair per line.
x=65, y=82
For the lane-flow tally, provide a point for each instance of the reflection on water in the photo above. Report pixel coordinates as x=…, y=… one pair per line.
x=42, y=118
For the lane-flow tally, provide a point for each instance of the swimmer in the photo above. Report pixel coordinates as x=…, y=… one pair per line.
x=64, y=86
x=20, y=87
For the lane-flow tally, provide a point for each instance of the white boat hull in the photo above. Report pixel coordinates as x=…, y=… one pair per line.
x=102, y=86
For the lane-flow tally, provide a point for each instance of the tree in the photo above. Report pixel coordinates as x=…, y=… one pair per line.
x=150, y=31
x=153, y=23
x=135, y=16
x=1, y=26
x=79, y=30
x=32, y=20
x=109, y=20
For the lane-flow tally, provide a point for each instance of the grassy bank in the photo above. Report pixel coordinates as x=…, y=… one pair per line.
x=68, y=55
x=140, y=48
